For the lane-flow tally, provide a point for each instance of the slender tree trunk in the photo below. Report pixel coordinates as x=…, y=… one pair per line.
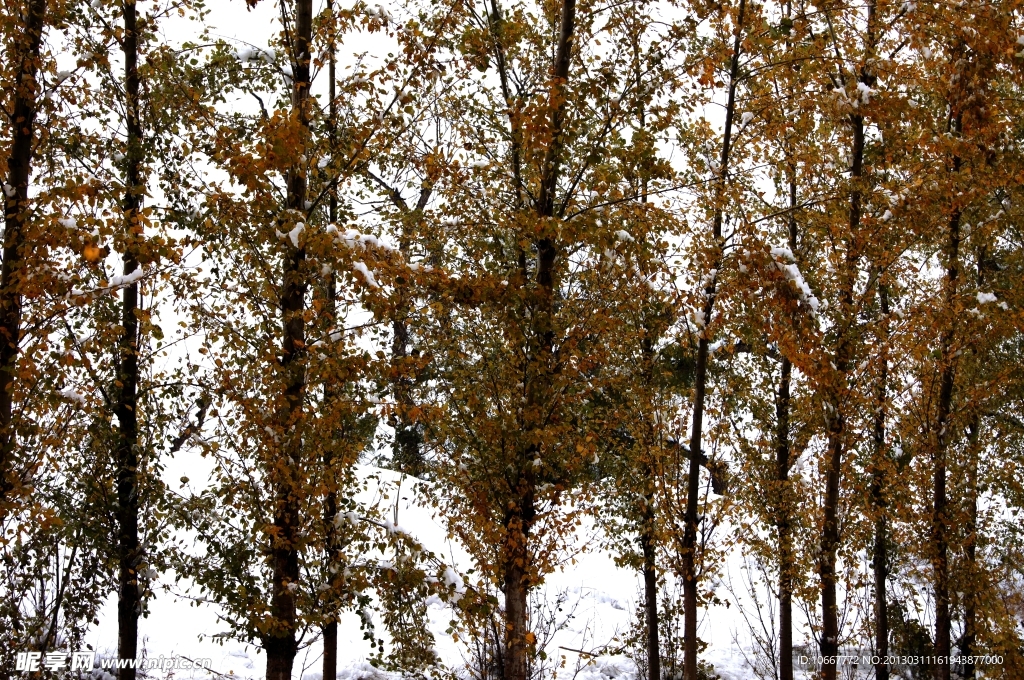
x=829, y=546
x=689, y=547
x=647, y=546
x=971, y=588
x=16, y=210
x=829, y=643
x=782, y=465
x=330, y=630
x=648, y=535
x=940, y=518
x=129, y=604
x=406, y=453
x=280, y=642
x=786, y=566
x=880, y=556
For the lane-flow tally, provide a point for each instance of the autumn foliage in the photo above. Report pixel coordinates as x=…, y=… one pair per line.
x=710, y=277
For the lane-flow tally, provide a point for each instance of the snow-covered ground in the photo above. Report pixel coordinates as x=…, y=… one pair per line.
x=598, y=600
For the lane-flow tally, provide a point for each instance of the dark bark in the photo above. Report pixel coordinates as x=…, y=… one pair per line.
x=647, y=546
x=648, y=535
x=969, y=645
x=829, y=546
x=407, y=452
x=829, y=643
x=783, y=457
x=783, y=525
x=880, y=549
x=940, y=512
x=16, y=209
x=689, y=546
x=553, y=157
x=521, y=515
x=330, y=629
x=279, y=642
x=129, y=554
x=331, y=650
x=518, y=649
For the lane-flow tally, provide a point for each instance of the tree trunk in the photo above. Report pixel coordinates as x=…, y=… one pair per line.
x=880, y=557
x=129, y=603
x=829, y=545
x=518, y=647
x=330, y=629
x=280, y=641
x=19, y=166
x=782, y=464
x=786, y=565
x=406, y=452
x=971, y=588
x=689, y=547
x=647, y=545
x=829, y=643
x=331, y=651
x=648, y=536
x=519, y=518
x=940, y=518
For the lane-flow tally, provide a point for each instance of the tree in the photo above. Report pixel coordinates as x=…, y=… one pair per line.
x=534, y=203
x=24, y=53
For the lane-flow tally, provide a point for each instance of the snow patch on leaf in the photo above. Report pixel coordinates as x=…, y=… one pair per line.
x=367, y=274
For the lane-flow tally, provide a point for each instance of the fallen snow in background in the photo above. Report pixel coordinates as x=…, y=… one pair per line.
x=600, y=601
